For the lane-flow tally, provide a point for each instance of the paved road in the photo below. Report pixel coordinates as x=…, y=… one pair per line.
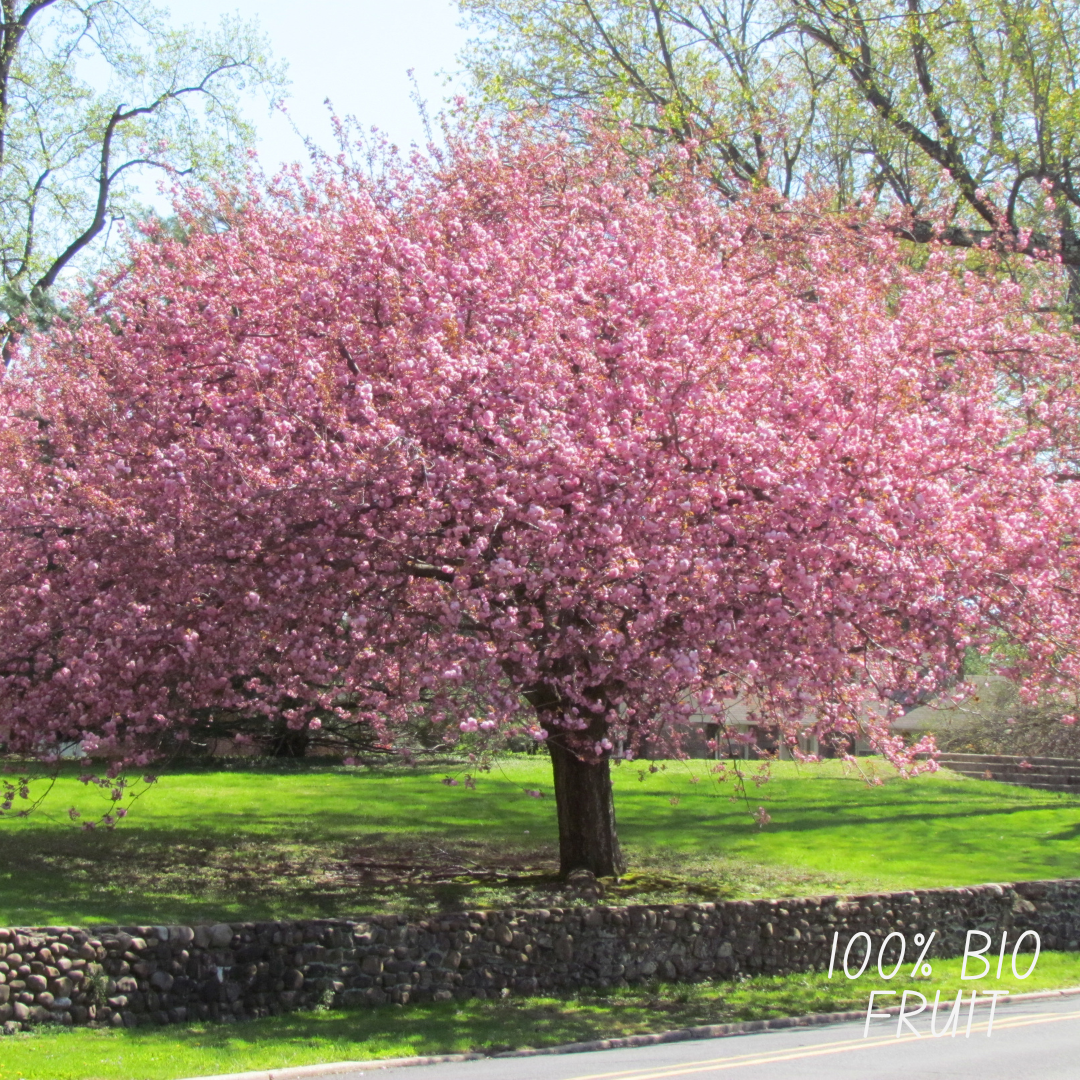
x=1038, y=1040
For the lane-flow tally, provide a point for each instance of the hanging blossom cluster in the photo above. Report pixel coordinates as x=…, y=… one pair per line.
x=511, y=423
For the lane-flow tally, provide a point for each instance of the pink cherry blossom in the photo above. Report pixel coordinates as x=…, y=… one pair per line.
x=513, y=421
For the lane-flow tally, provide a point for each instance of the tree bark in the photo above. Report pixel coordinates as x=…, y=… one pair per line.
x=586, y=811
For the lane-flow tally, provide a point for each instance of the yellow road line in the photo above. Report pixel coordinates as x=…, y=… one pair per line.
x=735, y=1057
x=1026, y=1021
x=797, y=1053
x=757, y=1058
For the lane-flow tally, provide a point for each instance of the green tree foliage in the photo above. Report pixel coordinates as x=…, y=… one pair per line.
x=982, y=98
x=716, y=74
x=93, y=95
x=962, y=111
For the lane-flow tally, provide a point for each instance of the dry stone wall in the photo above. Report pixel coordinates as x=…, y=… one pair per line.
x=134, y=975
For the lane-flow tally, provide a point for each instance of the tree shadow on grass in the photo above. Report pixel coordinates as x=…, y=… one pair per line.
x=135, y=877
x=457, y=1027
x=452, y=1027
x=138, y=876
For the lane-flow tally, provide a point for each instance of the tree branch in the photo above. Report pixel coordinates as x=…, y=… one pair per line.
x=861, y=69
x=106, y=178
x=12, y=33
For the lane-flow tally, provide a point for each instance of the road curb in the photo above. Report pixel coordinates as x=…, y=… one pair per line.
x=705, y=1031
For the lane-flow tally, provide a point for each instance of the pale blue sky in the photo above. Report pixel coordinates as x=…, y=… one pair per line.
x=356, y=52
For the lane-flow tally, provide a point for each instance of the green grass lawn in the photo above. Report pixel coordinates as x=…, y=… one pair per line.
x=307, y=1038
x=315, y=840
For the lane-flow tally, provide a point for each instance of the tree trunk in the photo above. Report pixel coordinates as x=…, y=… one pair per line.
x=586, y=810
x=288, y=743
